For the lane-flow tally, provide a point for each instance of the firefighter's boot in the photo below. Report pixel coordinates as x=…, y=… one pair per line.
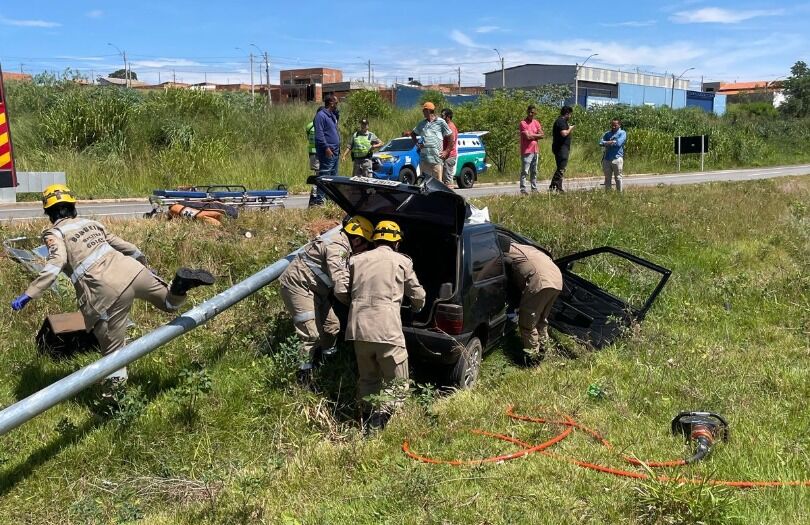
x=186, y=278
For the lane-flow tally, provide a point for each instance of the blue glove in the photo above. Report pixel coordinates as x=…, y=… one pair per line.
x=19, y=302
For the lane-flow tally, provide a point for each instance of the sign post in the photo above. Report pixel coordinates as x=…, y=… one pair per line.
x=693, y=144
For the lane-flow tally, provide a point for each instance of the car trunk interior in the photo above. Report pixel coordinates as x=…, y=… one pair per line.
x=434, y=252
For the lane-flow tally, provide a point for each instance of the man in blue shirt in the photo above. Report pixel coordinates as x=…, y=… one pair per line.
x=327, y=142
x=613, y=158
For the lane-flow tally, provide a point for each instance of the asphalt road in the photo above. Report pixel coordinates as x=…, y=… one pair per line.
x=132, y=208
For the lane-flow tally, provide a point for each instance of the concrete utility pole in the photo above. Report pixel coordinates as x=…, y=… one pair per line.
x=267, y=72
x=503, y=70
x=459, y=81
x=576, y=78
x=126, y=67
x=672, y=93
x=369, y=71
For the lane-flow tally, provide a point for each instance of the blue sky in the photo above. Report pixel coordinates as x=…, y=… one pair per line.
x=197, y=40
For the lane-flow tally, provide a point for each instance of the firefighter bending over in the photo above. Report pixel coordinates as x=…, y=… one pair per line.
x=307, y=283
x=107, y=272
x=540, y=281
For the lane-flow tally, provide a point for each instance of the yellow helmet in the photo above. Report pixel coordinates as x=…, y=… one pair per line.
x=55, y=194
x=387, y=231
x=360, y=226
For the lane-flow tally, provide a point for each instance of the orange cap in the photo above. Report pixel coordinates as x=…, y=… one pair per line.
x=429, y=105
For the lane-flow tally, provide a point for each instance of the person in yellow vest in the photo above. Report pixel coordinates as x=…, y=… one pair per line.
x=316, y=197
x=374, y=288
x=307, y=284
x=362, y=147
x=540, y=282
x=107, y=272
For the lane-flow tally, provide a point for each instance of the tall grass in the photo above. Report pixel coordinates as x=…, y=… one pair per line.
x=113, y=142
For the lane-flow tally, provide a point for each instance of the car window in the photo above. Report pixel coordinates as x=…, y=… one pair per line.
x=486, y=257
x=401, y=144
x=619, y=277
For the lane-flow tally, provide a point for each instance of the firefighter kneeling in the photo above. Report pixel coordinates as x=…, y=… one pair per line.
x=374, y=288
x=107, y=272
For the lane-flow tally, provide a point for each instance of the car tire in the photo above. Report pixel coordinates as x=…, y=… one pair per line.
x=464, y=373
x=466, y=178
x=407, y=175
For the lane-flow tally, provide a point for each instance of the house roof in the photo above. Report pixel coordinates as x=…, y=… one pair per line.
x=746, y=87
x=8, y=75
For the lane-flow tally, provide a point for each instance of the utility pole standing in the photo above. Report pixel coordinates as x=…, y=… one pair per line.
x=252, y=92
x=369, y=71
x=459, y=81
x=267, y=72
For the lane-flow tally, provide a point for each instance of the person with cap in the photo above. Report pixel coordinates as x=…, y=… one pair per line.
x=539, y=281
x=433, y=131
x=362, y=147
x=307, y=284
x=107, y=272
x=449, y=149
x=374, y=288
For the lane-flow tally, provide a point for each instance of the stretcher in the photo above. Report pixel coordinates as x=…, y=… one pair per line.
x=234, y=195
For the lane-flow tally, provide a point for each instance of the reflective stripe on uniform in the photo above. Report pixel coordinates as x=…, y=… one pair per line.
x=89, y=261
x=70, y=227
x=136, y=254
x=315, y=265
x=304, y=317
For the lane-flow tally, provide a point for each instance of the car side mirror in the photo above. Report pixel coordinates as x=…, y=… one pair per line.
x=445, y=291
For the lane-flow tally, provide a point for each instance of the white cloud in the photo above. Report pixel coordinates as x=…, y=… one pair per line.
x=165, y=62
x=461, y=38
x=620, y=54
x=487, y=29
x=632, y=23
x=716, y=15
x=95, y=13
x=28, y=23
x=80, y=58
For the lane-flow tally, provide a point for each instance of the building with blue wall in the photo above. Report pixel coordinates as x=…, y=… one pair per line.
x=599, y=86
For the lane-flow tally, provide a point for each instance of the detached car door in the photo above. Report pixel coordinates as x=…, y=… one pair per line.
x=605, y=290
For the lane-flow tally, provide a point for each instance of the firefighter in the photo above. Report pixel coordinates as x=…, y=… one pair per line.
x=307, y=284
x=107, y=272
x=362, y=147
x=539, y=281
x=374, y=288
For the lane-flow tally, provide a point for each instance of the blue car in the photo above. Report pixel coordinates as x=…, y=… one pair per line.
x=399, y=160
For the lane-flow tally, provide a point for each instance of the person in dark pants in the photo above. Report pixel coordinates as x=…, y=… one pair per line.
x=561, y=147
x=327, y=142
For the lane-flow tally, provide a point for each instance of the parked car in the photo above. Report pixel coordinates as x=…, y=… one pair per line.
x=460, y=265
x=399, y=160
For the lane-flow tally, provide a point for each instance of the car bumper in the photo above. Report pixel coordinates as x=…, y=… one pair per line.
x=432, y=346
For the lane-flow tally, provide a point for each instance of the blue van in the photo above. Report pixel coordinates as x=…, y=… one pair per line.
x=399, y=160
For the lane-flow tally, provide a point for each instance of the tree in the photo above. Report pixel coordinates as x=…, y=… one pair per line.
x=797, y=91
x=122, y=73
x=432, y=95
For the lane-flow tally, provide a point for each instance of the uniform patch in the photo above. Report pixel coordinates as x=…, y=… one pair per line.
x=51, y=243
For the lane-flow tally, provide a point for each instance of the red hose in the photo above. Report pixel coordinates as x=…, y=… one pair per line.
x=570, y=425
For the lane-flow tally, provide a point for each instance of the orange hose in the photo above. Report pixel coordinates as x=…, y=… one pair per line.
x=570, y=425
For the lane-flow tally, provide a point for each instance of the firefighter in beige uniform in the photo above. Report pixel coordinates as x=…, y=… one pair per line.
x=540, y=282
x=107, y=272
x=307, y=283
x=374, y=288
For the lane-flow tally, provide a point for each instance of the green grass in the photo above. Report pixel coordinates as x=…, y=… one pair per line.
x=213, y=431
x=123, y=143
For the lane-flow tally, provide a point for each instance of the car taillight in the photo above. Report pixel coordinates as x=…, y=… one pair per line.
x=450, y=318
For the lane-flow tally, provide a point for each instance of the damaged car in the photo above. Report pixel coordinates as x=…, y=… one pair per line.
x=459, y=262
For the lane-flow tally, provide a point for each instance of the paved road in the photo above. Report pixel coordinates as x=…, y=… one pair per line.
x=130, y=208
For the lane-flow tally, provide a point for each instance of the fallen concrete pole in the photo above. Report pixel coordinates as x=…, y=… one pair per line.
x=37, y=403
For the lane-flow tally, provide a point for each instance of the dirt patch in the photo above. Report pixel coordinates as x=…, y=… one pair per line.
x=318, y=226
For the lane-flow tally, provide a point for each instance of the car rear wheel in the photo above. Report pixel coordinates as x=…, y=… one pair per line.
x=464, y=373
x=466, y=178
x=407, y=176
